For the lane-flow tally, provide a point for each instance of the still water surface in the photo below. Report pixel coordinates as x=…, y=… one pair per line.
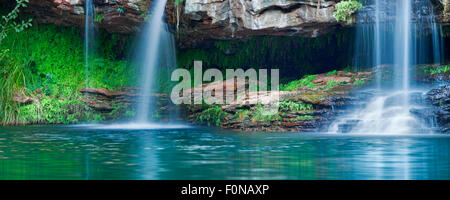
x=44, y=152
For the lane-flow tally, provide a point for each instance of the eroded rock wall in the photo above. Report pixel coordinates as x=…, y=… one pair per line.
x=118, y=16
x=197, y=20
x=224, y=19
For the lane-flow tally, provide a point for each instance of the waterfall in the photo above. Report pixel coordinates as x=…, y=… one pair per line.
x=402, y=47
x=157, y=53
x=401, y=34
x=89, y=28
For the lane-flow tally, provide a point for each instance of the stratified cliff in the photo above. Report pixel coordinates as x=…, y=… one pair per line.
x=197, y=20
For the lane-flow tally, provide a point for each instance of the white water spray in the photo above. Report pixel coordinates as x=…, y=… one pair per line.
x=398, y=39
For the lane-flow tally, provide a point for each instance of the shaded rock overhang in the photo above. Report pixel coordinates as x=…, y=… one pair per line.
x=198, y=20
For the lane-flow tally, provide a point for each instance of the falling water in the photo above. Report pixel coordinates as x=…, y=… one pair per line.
x=88, y=35
x=402, y=34
x=377, y=41
x=158, y=52
x=402, y=46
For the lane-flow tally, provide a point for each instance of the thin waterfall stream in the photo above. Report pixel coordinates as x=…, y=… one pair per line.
x=89, y=33
x=157, y=55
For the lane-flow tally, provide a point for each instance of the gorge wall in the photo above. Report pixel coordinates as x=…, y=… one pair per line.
x=198, y=20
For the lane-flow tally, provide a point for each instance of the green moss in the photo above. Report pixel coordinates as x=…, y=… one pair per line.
x=57, y=52
x=331, y=73
x=305, y=117
x=52, y=59
x=307, y=81
x=294, y=56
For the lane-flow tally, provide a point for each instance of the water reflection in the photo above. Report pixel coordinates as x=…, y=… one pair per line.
x=80, y=153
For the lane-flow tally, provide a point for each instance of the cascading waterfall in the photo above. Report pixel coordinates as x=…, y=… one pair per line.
x=89, y=34
x=157, y=53
x=401, y=34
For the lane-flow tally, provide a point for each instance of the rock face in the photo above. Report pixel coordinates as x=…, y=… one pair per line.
x=440, y=98
x=118, y=16
x=442, y=10
x=225, y=19
x=197, y=20
x=217, y=19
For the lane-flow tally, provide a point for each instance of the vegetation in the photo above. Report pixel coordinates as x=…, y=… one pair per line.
x=332, y=84
x=345, y=10
x=359, y=82
x=242, y=115
x=306, y=81
x=12, y=75
x=438, y=69
x=56, y=53
x=51, y=59
x=334, y=72
x=121, y=10
x=12, y=82
x=212, y=116
x=8, y=22
x=51, y=111
x=99, y=17
x=296, y=56
x=305, y=117
x=286, y=106
x=177, y=2
x=261, y=114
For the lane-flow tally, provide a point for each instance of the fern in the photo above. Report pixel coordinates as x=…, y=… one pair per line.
x=212, y=116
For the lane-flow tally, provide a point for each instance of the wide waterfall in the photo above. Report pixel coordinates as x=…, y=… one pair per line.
x=156, y=56
x=399, y=34
x=89, y=33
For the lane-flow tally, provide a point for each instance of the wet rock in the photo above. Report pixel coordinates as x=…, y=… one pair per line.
x=102, y=91
x=323, y=78
x=122, y=100
x=119, y=16
x=347, y=126
x=440, y=98
x=202, y=20
x=226, y=19
x=98, y=105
